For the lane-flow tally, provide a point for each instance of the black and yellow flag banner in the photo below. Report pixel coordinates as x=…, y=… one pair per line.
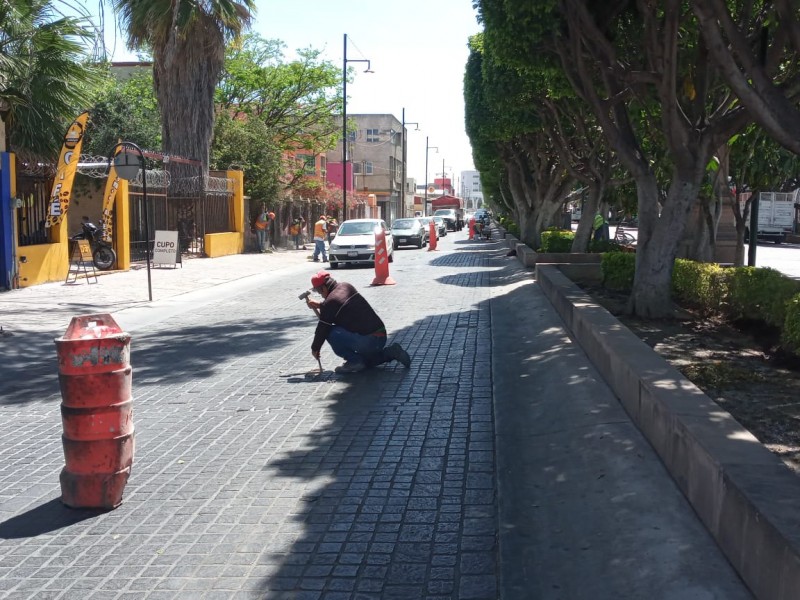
x=109, y=195
x=65, y=171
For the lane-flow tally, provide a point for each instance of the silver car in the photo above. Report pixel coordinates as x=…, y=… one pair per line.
x=354, y=243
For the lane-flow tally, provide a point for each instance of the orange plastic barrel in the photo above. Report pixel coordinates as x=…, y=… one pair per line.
x=472, y=228
x=381, y=260
x=96, y=412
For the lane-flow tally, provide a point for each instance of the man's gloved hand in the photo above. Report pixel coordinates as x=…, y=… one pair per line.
x=315, y=354
x=313, y=303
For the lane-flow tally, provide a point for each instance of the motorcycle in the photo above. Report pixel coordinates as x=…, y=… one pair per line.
x=103, y=255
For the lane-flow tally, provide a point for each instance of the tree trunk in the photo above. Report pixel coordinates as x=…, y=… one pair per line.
x=186, y=71
x=584, y=233
x=651, y=297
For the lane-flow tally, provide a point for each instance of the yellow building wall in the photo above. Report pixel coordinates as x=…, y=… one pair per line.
x=43, y=263
x=224, y=244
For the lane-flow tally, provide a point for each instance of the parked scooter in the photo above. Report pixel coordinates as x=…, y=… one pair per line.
x=103, y=255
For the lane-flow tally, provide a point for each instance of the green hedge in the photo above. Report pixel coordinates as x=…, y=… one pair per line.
x=700, y=285
x=791, y=327
x=618, y=270
x=759, y=294
x=510, y=226
x=557, y=241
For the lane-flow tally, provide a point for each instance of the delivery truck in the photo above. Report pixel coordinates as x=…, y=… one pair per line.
x=776, y=215
x=451, y=209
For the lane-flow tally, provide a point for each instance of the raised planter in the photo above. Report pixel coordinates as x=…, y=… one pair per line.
x=530, y=258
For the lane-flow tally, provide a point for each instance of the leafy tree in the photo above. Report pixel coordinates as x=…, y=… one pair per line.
x=756, y=46
x=46, y=79
x=295, y=101
x=188, y=40
x=757, y=163
x=126, y=110
x=644, y=70
x=247, y=145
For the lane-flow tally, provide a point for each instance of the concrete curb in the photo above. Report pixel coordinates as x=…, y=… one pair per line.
x=744, y=495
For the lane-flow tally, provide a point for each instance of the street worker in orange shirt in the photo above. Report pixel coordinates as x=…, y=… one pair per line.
x=352, y=328
x=320, y=233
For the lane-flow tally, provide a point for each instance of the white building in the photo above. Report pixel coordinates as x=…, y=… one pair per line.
x=471, y=189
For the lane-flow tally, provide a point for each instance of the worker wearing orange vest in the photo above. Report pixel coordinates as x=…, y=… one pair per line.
x=320, y=229
x=261, y=226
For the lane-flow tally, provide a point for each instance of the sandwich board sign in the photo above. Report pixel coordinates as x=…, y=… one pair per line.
x=166, y=250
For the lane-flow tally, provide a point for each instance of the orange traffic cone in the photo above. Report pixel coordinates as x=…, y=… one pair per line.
x=472, y=229
x=432, y=238
x=381, y=261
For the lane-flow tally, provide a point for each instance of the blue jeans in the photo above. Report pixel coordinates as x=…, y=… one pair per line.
x=261, y=238
x=354, y=347
x=319, y=247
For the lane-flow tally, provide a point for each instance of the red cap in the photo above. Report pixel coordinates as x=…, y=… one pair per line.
x=319, y=279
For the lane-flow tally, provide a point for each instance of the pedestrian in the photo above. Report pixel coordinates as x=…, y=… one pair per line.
x=351, y=326
x=320, y=229
x=600, y=227
x=296, y=231
x=271, y=232
x=333, y=225
x=261, y=228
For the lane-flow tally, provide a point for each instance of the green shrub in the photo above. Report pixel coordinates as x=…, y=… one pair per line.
x=618, y=270
x=791, y=326
x=510, y=226
x=759, y=294
x=602, y=246
x=700, y=285
x=557, y=240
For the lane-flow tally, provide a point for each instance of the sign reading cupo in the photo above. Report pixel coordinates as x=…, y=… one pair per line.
x=166, y=249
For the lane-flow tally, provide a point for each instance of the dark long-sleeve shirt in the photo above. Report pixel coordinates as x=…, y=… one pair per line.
x=347, y=308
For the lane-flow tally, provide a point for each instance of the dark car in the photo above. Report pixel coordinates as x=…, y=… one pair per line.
x=409, y=232
x=441, y=225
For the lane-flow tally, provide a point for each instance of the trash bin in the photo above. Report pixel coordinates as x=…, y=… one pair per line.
x=96, y=412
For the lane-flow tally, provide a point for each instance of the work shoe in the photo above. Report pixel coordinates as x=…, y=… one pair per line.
x=350, y=367
x=396, y=352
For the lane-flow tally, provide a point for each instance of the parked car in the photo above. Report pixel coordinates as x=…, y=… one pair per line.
x=441, y=225
x=426, y=223
x=482, y=215
x=354, y=243
x=409, y=232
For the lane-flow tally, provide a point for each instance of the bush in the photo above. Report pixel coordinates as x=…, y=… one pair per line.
x=556, y=241
x=510, y=226
x=791, y=326
x=759, y=294
x=618, y=270
x=602, y=246
x=700, y=285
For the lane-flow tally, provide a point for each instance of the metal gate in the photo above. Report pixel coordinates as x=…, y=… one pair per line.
x=179, y=204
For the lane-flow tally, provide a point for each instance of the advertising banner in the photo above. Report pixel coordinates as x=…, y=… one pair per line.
x=109, y=195
x=65, y=171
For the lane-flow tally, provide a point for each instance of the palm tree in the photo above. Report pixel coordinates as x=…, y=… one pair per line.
x=46, y=78
x=187, y=39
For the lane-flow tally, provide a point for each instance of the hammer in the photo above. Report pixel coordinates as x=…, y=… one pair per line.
x=304, y=296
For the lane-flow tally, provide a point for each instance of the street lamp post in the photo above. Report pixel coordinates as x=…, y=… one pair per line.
x=346, y=60
x=403, y=152
x=427, y=147
x=128, y=166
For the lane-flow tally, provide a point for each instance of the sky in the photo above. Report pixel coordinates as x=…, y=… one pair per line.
x=416, y=48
